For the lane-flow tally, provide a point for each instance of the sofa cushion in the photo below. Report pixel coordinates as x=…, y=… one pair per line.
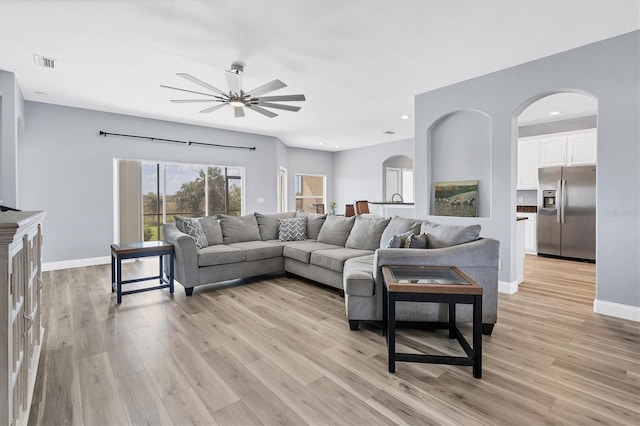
x=212, y=230
x=314, y=223
x=268, y=224
x=294, y=229
x=220, y=255
x=255, y=250
x=399, y=225
x=334, y=258
x=366, y=233
x=239, y=229
x=336, y=229
x=358, y=276
x=301, y=251
x=442, y=235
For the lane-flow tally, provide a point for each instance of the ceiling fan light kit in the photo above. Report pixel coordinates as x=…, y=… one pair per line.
x=238, y=98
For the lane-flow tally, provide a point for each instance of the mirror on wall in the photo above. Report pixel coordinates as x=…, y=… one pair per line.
x=397, y=176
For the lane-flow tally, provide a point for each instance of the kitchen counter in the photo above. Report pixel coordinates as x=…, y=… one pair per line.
x=527, y=209
x=391, y=203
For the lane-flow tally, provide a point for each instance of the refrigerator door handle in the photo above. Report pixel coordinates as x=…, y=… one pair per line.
x=558, y=201
x=563, y=200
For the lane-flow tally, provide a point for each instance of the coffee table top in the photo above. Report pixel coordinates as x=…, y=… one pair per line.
x=429, y=279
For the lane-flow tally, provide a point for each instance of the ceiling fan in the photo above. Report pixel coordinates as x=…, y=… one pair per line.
x=238, y=98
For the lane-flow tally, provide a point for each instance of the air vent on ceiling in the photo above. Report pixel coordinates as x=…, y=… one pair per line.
x=389, y=132
x=45, y=62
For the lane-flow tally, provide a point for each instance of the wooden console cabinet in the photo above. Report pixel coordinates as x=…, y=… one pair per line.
x=21, y=330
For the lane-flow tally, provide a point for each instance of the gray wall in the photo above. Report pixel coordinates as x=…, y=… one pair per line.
x=460, y=150
x=66, y=168
x=359, y=173
x=309, y=161
x=608, y=70
x=581, y=123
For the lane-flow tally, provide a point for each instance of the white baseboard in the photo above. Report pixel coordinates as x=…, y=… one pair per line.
x=508, y=288
x=617, y=310
x=75, y=263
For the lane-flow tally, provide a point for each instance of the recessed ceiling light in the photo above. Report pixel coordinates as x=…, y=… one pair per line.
x=554, y=113
x=321, y=143
x=337, y=146
x=405, y=117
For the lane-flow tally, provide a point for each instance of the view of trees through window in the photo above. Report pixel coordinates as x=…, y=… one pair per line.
x=189, y=190
x=310, y=193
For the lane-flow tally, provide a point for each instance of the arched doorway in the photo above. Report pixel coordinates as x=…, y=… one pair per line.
x=556, y=177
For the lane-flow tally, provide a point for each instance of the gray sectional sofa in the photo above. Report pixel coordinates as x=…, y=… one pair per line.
x=345, y=253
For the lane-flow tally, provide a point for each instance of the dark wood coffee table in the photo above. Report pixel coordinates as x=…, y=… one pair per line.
x=440, y=284
x=120, y=252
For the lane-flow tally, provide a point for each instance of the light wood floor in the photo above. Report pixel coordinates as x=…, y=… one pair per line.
x=279, y=351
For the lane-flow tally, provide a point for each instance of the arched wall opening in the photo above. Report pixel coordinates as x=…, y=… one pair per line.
x=397, y=178
x=555, y=138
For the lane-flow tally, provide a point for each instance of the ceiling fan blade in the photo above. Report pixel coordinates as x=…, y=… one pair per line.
x=200, y=82
x=234, y=80
x=279, y=106
x=283, y=98
x=188, y=101
x=266, y=88
x=192, y=91
x=239, y=111
x=213, y=108
x=262, y=111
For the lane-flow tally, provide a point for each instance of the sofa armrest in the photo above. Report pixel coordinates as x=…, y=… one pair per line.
x=478, y=259
x=186, y=265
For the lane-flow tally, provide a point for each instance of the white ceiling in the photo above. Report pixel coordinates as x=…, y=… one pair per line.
x=359, y=63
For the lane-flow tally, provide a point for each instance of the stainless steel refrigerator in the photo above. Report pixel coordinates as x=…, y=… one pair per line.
x=567, y=212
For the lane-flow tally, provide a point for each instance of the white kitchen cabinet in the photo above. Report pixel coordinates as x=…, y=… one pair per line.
x=530, y=233
x=553, y=151
x=528, y=163
x=568, y=149
x=20, y=312
x=581, y=148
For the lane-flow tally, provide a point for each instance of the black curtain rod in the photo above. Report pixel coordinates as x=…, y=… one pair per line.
x=105, y=134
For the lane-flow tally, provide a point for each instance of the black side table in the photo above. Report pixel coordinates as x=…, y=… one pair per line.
x=136, y=250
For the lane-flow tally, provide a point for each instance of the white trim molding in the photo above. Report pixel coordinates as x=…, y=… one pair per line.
x=76, y=263
x=617, y=310
x=508, y=288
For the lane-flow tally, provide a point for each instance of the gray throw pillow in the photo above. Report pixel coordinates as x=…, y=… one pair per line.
x=336, y=229
x=239, y=229
x=366, y=233
x=418, y=241
x=269, y=224
x=293, y=229
x=441, y=235
x=179, y=221
x=398, y=241
x=193, y=229
x=314, y=223
x=399, y=225
x=212, y=230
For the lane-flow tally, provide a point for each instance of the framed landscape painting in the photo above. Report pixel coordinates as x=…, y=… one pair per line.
x=456, y=198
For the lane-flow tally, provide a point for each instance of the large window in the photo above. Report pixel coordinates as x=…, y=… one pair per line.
x=310, y=193
x=168, y=189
